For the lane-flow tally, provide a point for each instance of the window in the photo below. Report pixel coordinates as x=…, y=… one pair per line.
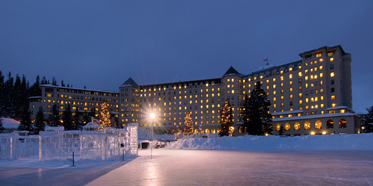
x=296, y=126
x=318, y=55
x=332, y=97
x=330, y=124
x=307, y=125
x=278, y=127
x=287, y=126
x=332, y=90
x=331, y=74
x=318, y=124
x=332, y=66
x=290, y=76
x=342, y=123
x=300, y=74
x=331, y=59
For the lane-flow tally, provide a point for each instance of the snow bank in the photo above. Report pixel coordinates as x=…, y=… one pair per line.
x=145, y=134
x=9, y=123
x=317, y=142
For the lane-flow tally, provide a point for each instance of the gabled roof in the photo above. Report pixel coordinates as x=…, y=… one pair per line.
x=129, y=83
x=231, y=71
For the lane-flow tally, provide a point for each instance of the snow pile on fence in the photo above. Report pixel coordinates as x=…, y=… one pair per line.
x=307, y=142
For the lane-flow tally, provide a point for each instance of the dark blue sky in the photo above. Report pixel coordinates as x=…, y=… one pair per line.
x=102, y=43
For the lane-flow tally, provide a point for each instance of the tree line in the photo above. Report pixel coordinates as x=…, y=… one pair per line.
x=15, y=93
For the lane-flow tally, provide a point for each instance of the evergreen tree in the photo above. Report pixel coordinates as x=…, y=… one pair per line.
x=43, y=80
x=245, y=112
x=226, y=120
x=258, y=112
x=35, y=89
x=281, y=131
x=67, y=118
x=105, y=120
x=16, y=99
x=368, y=121
x=25, y=119
x=86, y=117
x=54, y=117
x=8, y=96
x=2, y=96
x=62, y=84
x=39, y=121
x=77, y=121
x=1, y=124
x=54, y=82
x=188, y=123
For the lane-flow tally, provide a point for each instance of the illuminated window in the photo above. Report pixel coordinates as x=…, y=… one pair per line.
x=342, y=123
x=318, y=124
x=274, y=85
x=278, y=127
x=274, y=105
x=267, y=81
x=300, y=74
x=267, y=87
x=331, y=59
x=282, y=97
x=290, y=76
x=307, y=125
x=306, y=78
x=331, y=74
x=282, y=78
x=291, y=96
x=274, y=92
x=282, y=84
x=291, y=89
x=290, y=82
x=274, y=98
x=306, y=100
x=296, y=126
x=300, y=102
x=332, y=97
x=318, y=55
x=300, y=94
x=321, y=59
x=287, y=126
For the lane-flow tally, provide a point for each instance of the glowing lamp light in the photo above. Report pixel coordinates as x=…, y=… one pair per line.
x=323, y=133
x=312, y=133
x=266, y=134
x=152, y=115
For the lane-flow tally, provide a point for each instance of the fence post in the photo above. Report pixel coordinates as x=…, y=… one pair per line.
x=123, y=154
x=73, y=160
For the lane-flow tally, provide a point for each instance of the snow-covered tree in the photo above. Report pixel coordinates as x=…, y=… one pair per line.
x=226, y=120
x=188, y=123
x=105, y=120
x=257, y=112
x=368, y=120
x=39, y=121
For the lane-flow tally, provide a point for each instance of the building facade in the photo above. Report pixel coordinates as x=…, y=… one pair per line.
x=310, y=96
x=83, y=100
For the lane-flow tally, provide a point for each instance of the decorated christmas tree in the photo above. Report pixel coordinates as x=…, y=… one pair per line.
x=188, y=122
x=105, y=120
x=226, y=120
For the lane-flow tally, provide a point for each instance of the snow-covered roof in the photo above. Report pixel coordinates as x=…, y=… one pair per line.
x=313, y=116
x=287, y=112
x=9, y=123
x=338, y=107
x=71, y=88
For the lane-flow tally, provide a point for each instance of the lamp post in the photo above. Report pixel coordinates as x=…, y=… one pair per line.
x=152, y=116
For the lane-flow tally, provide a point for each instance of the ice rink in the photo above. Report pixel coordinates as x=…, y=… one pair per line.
x=201, y=167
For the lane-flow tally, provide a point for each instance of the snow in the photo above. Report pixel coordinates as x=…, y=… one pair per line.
x=9, y=123
x=307, y=142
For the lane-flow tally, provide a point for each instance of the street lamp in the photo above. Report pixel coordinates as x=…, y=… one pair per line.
x=152, y=116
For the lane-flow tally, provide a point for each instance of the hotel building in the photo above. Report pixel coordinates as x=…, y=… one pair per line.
x=310, y=96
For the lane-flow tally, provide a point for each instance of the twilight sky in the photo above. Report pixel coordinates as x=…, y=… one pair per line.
x=101, y=44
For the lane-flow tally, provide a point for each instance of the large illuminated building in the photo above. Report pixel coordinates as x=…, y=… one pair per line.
x=310, y=96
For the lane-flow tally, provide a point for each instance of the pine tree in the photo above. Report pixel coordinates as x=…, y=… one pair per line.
x=44, y=81
x=105, y=120
x=226, y=120
x=35, y=89
x=67, y=118
x=1, y=124
x=16, y=99
x=86, y=117
x=39, y=121
x=368, y=121
x=188, y=123
x=62, y=84
x=54, y=82
x=258, y=112
x=2, y=96
x=25, y=119
x=54, y=117
x=77, y=121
